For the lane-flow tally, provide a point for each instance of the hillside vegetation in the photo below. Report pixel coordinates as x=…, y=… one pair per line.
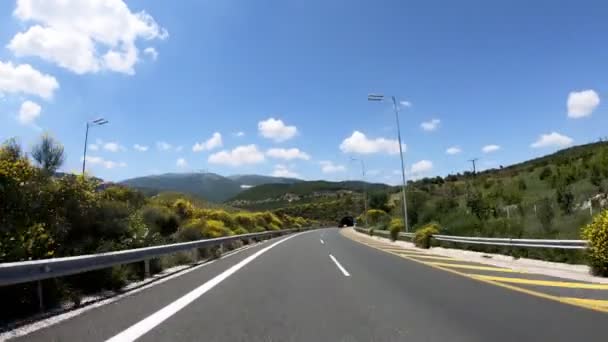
x=275, y=196
x=45, y=216
x=549, y=197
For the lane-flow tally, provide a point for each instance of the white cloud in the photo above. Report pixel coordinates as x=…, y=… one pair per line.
x=28, y=112
x=405, y=104
x=108, y=164
x=163, y=146
x=113, y=147
x=328, y=166
x=241, y=155
x=453, y=150
x=276, y=130
x=490, y=148
x=359, y=143
x=140, y=148
x=83, y=36
x=240, y=134
x=23, y=78
x=287, y=154
x=421, y=167
x=582, y=103
x=552, y=139
x=181, y=162
x=150, y=51
x=283, y=171
x=214, y=142
x=430, y=125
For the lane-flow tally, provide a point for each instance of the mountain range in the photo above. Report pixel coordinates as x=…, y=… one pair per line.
x=210, y=186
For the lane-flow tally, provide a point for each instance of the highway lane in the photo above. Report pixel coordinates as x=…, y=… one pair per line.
x=294, y=291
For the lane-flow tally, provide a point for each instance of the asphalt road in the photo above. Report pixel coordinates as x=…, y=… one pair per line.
x=294, y=291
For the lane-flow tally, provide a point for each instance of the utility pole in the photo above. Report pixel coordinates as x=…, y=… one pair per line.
x=473, y=161
x=364, y=188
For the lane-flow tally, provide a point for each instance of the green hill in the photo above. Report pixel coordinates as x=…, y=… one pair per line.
x=210, y=186
x=548, y=196
x=272, y=196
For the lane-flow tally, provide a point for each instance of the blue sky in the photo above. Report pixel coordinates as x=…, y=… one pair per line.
x=293, y=77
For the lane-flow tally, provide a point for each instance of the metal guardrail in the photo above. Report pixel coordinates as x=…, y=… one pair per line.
x=530, y=243
x=534, y=243
x=27, y=271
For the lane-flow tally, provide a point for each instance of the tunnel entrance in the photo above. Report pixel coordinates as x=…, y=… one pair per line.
x=348, y=221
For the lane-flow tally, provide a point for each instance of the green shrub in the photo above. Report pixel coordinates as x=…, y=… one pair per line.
x=216, y=229
x=240, y=231
x=258, y=230
x=596, y=233
x=422, y=238
x=245, y=220
x=190, y=232
x=395, y=227
x=183, y=208
x=160, y=219
x=377, y=217
x=221, y=215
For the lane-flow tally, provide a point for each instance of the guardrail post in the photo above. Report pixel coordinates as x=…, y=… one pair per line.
x=147, y=268
x=40, y=298
x=194, y=255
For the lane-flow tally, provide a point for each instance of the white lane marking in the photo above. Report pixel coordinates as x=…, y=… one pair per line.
x=137, y=330
x=344, y=271
x=164, y=276
x=322, y=242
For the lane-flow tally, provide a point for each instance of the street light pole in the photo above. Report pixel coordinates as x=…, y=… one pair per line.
x=97, y=122
x=364, y=188
x=379, y=97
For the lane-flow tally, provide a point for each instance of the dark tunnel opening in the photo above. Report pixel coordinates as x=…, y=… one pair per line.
x=348, y=221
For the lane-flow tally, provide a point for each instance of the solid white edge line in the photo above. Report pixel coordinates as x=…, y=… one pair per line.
x=164, y=276
x=138, y=329
x=344, y=271
x=322, y=242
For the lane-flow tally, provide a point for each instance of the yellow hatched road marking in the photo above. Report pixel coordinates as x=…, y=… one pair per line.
x=434, y=257
x=406, y=251
x=597, y=303
x=565, y=284
x=581, y=304
x=474, y=267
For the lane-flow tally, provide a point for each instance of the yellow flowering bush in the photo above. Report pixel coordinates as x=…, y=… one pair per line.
x=596, y=233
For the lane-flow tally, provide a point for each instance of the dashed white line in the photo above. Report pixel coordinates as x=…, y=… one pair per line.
x=137, y=330
x=344, y=271
x=322, y=242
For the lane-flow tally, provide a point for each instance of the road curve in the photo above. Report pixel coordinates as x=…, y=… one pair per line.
x=322, y=286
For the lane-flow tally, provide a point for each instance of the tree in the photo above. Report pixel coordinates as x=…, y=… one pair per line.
x=48, y=154
x=565, y=199
x=476, y=203
x=545, y=173
x=11, y=150
x=378, y=200
x=545, y=215
x=596, y=175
